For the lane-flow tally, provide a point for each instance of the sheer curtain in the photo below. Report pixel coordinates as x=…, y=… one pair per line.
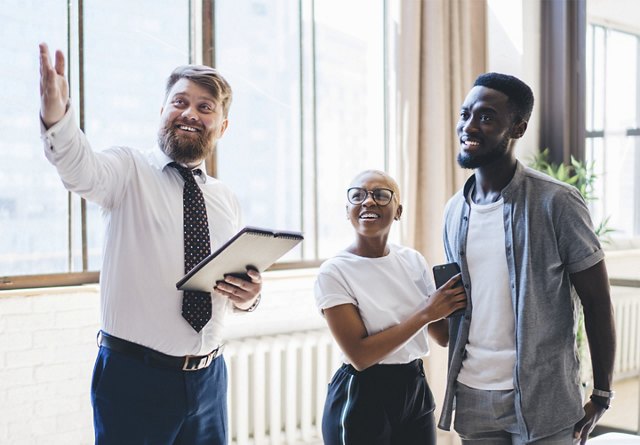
x=447, y=38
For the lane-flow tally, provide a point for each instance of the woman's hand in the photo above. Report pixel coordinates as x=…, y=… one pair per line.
x=449, y=298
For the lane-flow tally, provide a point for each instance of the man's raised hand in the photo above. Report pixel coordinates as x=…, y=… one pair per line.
x=54, y=89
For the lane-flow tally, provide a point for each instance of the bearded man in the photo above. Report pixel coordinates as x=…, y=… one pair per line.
x=529, y=259
x=159, y=376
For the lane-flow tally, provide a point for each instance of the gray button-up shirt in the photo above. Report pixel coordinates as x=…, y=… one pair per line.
x=548, y=235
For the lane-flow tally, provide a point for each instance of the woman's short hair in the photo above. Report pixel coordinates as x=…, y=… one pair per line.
x=392, y=182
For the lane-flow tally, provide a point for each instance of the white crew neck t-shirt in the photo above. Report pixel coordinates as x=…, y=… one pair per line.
x=491, y=352
x=386, y=291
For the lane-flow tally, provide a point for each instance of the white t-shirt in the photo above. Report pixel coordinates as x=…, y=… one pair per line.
x=491, y=351
x=386, y=291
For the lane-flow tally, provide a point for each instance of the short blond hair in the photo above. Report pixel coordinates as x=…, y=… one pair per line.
x=207, y=77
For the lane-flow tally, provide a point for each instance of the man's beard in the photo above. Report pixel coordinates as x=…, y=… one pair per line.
x=185, y=150
x=476, y=160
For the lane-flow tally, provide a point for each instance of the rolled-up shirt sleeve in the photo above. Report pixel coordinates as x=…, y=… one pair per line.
x=330, y=292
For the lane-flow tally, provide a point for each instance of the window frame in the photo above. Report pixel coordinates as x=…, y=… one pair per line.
x=593, y=131
x=202, y=51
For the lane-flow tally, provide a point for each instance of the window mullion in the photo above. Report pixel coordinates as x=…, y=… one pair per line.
x=308, y=130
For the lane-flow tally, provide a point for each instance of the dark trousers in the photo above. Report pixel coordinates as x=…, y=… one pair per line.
x=382, y=405
x=140, y=404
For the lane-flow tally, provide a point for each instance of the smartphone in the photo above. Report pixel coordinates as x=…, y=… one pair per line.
x=441, y=274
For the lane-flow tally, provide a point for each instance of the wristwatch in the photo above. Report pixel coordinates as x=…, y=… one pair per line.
x=602, y=398
x=600, y=393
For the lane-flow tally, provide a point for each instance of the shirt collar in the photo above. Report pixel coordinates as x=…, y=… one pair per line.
x=508, y=190
x=160, y=160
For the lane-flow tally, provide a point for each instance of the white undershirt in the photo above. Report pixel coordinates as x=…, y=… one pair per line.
x=490, y=352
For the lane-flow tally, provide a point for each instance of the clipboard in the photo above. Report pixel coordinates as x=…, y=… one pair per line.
x=252, y=246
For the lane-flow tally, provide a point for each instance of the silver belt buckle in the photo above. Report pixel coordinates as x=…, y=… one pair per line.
x=197, y=362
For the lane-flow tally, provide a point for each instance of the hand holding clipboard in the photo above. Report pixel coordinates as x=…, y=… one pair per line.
x=253, y=247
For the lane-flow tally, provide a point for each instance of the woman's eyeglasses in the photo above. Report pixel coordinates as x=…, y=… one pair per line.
x=358, y=195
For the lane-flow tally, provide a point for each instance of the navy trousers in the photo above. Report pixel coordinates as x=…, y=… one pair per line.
x=140, y=404
x=382, y=405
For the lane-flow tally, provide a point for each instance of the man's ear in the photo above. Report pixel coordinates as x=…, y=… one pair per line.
x=519, y=129
x=223, y=127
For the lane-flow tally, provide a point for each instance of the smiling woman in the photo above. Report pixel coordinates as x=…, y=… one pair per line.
x=380, y=303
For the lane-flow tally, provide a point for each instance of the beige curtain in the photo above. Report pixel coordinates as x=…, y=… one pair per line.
x=448, y=38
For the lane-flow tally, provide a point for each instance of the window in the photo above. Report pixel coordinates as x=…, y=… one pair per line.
x=308, y=113
x=613, y=126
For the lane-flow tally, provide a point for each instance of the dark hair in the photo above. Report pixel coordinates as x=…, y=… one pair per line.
x=519, y=94
x=206, y=77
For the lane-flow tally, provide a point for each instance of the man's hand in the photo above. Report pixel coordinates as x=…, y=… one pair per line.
x=54, y=89
x=241, y=292
x=582, y=429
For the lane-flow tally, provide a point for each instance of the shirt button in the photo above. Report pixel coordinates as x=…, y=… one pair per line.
x=461, y=253
x=466, y=286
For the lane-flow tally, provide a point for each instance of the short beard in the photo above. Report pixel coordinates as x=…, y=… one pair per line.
x=183, y=151
x=473, y=161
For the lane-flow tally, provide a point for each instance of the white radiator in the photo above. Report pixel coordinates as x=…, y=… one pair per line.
x=277, y=387
x=626, y=305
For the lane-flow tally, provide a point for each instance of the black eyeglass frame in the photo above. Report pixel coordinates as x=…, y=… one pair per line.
x=372, y=193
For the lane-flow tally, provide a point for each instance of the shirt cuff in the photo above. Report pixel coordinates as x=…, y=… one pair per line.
x=61, y=133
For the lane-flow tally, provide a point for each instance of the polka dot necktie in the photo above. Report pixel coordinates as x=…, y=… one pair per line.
x=196, y=305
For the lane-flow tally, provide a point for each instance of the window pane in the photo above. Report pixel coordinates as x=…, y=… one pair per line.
x=350, y=108
x=126, y=67
x=621, y=81
x=257, y=50
x=33, y=203
x=619, y=187
x=615, y=110
x=596, y=120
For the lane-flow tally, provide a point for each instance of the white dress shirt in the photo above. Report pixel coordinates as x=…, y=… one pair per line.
x=141, y=199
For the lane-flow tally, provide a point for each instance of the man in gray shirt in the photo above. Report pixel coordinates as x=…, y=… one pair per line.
x=529, y=257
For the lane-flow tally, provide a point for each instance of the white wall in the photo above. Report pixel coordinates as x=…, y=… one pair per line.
x=513, y=47
x=48, y=347
x=620, y=14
